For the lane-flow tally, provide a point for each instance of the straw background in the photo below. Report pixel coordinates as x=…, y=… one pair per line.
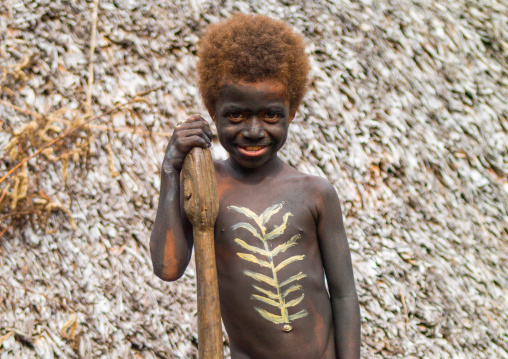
x=407, y=115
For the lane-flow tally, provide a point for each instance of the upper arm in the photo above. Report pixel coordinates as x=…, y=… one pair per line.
x=171, y=238
x=333, y=243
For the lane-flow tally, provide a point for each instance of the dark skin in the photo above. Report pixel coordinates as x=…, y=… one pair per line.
x=306, y=222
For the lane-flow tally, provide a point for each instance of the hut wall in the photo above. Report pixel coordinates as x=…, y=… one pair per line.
x=407, y=115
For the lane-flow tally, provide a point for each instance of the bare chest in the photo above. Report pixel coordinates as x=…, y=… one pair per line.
x=270, y=271
x=265, y=227
x=267, y=251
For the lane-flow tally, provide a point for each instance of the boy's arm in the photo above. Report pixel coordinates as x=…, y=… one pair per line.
x=171, y=239
x=339, y=274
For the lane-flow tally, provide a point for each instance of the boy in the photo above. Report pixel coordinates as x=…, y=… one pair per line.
x=278, y=231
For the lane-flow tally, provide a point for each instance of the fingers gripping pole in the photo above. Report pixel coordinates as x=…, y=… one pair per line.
x=202, y=206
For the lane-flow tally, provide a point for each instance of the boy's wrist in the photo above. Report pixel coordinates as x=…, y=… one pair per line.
x=169, y=169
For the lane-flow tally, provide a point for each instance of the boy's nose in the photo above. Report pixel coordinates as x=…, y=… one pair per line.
x=253, y=130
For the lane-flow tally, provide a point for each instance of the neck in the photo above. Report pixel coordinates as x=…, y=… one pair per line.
x=244, y=174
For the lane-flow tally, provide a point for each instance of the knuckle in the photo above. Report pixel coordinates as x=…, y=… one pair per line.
x=180, y=146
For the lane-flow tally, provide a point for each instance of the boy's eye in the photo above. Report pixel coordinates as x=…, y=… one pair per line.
x=272, y=116
x=236, y=116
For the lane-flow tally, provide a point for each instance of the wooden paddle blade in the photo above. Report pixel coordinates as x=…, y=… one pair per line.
x=201, y=201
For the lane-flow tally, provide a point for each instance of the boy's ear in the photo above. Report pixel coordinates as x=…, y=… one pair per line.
x=291, y=116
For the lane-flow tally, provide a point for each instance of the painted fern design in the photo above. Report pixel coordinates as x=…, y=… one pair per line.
x=264, y=257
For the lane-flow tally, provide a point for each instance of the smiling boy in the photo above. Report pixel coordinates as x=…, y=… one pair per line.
x=279, y=232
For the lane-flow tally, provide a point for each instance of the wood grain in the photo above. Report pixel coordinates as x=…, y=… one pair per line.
x=202, y=206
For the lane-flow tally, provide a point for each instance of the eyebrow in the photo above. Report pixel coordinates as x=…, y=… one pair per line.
x=233, y=108
x=277, y=108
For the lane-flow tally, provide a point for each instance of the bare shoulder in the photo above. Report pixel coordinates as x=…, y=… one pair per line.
x=319, y=187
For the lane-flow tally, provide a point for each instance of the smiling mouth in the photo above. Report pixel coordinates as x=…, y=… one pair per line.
x=253, y=150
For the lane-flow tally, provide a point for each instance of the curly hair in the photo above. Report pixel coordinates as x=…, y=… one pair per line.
x=251, y=48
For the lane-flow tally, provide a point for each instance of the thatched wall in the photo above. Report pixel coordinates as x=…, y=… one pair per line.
x=407, y=115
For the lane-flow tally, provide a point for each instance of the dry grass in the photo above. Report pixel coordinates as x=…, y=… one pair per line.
x=59, y=141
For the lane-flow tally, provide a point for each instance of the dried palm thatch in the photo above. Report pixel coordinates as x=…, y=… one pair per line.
x=407, y=115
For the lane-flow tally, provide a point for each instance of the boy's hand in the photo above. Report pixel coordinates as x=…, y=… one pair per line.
x=195, y=131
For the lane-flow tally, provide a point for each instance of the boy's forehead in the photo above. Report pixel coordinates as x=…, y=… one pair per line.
x=269, y=89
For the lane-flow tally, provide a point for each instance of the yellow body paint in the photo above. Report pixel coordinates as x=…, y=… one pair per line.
x=277, y=290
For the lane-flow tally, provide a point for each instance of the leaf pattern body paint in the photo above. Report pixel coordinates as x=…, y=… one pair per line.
x=278, y=289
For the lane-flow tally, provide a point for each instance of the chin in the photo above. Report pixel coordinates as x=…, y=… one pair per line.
x=251, y=162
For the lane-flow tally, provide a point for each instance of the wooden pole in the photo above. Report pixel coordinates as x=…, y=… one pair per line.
x=201, y=205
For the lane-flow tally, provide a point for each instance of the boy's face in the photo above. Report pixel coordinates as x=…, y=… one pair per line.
x=252, y=120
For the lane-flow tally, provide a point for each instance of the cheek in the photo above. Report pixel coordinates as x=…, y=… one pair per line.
x=281, y=137
x=279, y=132
x=225, y=134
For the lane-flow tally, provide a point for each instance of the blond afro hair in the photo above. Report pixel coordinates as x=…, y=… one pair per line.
x=251, y=48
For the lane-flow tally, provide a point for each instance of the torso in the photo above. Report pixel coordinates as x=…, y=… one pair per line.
x=260, y=262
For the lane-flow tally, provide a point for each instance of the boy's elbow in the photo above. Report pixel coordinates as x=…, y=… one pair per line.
x=168, y=274
x=167, y=269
